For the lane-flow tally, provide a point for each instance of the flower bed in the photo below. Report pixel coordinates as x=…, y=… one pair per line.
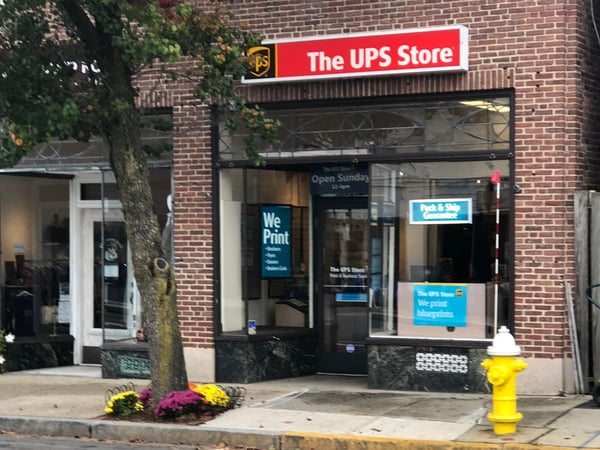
x=198, y=404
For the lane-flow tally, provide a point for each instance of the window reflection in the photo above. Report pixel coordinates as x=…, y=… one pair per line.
x=418, y=267
x=384, y=129
x=35, y=296
x=280, y=301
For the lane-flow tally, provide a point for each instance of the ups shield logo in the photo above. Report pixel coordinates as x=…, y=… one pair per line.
x=261, y=61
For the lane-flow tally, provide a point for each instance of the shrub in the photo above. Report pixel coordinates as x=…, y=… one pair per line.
x=5, y=338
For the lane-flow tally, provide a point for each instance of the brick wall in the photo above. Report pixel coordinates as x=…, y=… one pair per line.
x=538, y=48
x=192, y=203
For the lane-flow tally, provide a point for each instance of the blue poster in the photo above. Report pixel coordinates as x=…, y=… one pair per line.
x=437, y=304
x=442, y=210
x=276, y=241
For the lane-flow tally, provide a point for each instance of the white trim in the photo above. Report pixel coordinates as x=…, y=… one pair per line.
x=76, y=330
x=94, y=177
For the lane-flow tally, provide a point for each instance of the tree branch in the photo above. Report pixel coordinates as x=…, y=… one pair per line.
x=86, y=28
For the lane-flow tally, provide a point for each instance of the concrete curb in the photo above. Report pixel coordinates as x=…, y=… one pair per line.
x=183, y=435
x=147, y=432
x=201, y=435
x=45, y=427
x=316, y=441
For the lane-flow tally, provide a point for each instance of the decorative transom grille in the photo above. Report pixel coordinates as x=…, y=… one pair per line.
x=157, y=137
x=399, y=128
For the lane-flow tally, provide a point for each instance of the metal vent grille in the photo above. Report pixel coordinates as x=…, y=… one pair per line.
x=442, y=363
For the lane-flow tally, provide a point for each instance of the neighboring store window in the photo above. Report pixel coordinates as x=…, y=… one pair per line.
x=264, y=250
x=34, y=214
x=433, y=249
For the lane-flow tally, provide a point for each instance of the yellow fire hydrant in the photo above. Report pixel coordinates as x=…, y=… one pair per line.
x=502, y=369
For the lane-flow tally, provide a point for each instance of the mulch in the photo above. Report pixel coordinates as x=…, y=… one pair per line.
x=148, y=417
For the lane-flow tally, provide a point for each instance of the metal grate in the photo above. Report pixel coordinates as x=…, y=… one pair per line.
x=442, y=363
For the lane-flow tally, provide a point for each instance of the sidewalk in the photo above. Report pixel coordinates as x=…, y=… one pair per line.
x=317, y=412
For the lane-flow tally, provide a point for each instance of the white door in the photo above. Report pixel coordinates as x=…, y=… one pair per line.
x=110, y=307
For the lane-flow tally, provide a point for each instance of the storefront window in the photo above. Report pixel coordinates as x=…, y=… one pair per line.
x=34, y=218
x=433, y=249
x=432, y=216
x=264, y=250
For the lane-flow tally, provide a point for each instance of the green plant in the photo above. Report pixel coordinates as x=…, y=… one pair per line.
x=124, y=404
x=5, y=338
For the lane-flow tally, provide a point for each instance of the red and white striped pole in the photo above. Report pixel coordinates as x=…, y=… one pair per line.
x=495, y=179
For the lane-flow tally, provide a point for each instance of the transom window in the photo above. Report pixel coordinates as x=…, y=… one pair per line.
x=400, y=128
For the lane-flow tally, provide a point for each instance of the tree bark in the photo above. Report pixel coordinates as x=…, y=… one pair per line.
x=120, y=124
x=154, y=274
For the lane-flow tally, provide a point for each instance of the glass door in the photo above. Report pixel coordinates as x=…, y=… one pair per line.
x=111, y=309
x=341, y=288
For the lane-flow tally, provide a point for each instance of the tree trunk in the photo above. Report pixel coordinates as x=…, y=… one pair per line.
x=120, y=124
x=154, y=274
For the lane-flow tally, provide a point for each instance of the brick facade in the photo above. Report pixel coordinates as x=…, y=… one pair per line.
x=538, y=50
x=544, y=50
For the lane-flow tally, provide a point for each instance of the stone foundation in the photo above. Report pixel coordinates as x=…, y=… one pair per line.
x=253, y=360
x=39, y=352
x=425, y=368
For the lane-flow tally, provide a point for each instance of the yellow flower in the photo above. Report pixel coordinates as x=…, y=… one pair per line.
x=124, y=404
x=17, y=140
x=213, y=395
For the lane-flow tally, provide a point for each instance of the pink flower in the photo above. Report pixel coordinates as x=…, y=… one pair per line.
x=179, y=403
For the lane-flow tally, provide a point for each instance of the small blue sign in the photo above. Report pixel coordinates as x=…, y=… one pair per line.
x=443, y=210
x=350, y=297
x=276, y=241
x=440, y=304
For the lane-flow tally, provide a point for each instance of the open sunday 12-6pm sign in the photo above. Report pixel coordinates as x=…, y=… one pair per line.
x=439, y=49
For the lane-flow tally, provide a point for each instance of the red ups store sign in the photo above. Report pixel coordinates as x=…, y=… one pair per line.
x=361, y=54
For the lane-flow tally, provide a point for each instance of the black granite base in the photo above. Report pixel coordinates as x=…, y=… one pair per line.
x=425, y=368
x=125, y=359
x=39, y=352
x=261, y=359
